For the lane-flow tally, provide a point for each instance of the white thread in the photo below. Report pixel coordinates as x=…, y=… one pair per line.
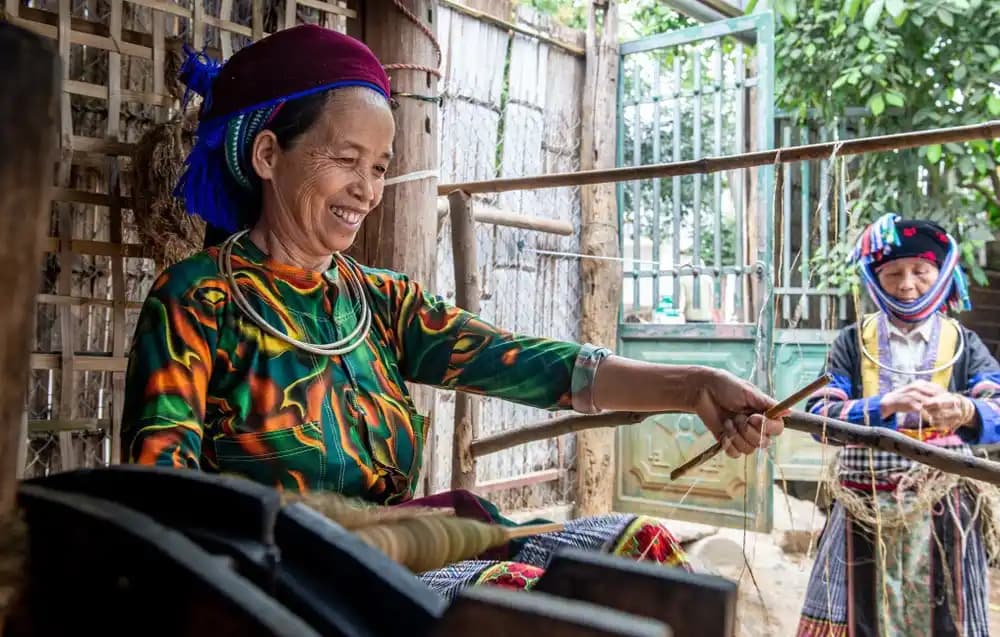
x=414, y=176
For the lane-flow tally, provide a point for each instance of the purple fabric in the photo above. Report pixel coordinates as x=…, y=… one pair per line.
x=291, y=63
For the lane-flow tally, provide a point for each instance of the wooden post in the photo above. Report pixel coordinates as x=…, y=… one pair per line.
x=402, y=234
x=601, y=278
x=463, y=241
x=31, y=72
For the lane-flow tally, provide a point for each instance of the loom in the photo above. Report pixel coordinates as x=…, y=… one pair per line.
x=194, y=554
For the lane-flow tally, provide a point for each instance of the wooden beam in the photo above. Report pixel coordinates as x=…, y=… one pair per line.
x=601, y=295
x=482, y=213
x=463, y=243
x=29, y=107
x=523, y=480
x=401, y=234
x=829, y=430
x=708, y=165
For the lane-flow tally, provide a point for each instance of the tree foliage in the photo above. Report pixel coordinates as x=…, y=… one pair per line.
x=913, y=64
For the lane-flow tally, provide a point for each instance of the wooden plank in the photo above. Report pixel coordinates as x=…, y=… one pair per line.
x=89, y=198
x=79, y=424
x=99, y=248
x=82, y=362
x=291, y=9
x=85, y=32
x=68, y=319
x=98, y=91
x=523, y=480
x=328, y=8
x=257, y=19
x=488, y=611
x=602, y=278
x=229, y=27
x=103, y=146
x=58, y=299
x=690, y=603
x=31, y=75
x=467, y=291
x=165, y=6
x=198, y=25
x=115, y=203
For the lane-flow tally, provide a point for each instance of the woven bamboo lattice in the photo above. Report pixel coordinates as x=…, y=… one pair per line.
x=119, y=68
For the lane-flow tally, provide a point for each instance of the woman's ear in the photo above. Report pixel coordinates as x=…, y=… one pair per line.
x=265, y=154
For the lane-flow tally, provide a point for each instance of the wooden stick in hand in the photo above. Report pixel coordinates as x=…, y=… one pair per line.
x=770, y=414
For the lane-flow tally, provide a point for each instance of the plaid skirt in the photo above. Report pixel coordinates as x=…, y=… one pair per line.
x=636, y=537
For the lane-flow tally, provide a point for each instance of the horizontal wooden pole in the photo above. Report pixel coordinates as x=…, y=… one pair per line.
x=81, y=362
x=100, y=248
x=61, y=299
x=494, y=216
x=552, y=428
x=43, y=425
x=523, y=480
x=830, y=430
x=987, y=130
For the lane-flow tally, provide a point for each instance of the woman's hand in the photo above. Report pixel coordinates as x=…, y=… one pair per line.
x=949, y=411
x=910, y=398
x=732, y=409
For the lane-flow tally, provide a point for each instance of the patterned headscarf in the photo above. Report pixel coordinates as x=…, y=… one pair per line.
x=241, y=97
x=890, y=238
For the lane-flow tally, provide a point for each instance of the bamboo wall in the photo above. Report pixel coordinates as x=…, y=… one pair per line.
x=120, y=58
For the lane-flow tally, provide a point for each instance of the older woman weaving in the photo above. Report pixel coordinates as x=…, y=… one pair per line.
x=903, y=552
x=275, y=357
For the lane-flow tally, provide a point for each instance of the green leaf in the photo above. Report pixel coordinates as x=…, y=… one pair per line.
x=872, y=14
x=980, y=276
x=810, y=50
x=851, y=8
x=917, y=19
x=992, y=50
x=993, y=105
x=840, y=81
x=895, y=7
x=876, y=104
x=894, y=99
x=945, y=17
x=750, y=7
x=959, y=74
x=864, y=42
x=982, y=165
x=934, y=153
x=966, y=167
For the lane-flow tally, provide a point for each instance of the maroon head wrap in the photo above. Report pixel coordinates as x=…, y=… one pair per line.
x=240, y=97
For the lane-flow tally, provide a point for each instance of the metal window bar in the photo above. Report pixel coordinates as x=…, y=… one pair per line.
x=738, y=189
x=699, y=66
x=676, y=188
x=657, y=256
x=636, y=185
x=697, y=154
x=717, y=177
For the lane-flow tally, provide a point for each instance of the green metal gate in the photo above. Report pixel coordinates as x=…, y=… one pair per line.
x=697, y=247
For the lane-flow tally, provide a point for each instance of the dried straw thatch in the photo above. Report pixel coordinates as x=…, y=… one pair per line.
x=163, y=224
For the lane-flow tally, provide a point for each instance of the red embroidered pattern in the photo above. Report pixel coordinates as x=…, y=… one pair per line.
x=648, y=539
x=511, y=575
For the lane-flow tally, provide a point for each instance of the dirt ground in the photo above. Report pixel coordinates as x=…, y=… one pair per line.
x=779, y=565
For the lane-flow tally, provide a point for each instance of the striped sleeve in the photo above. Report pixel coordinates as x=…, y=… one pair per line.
x=984, y=390
x=841, y=399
